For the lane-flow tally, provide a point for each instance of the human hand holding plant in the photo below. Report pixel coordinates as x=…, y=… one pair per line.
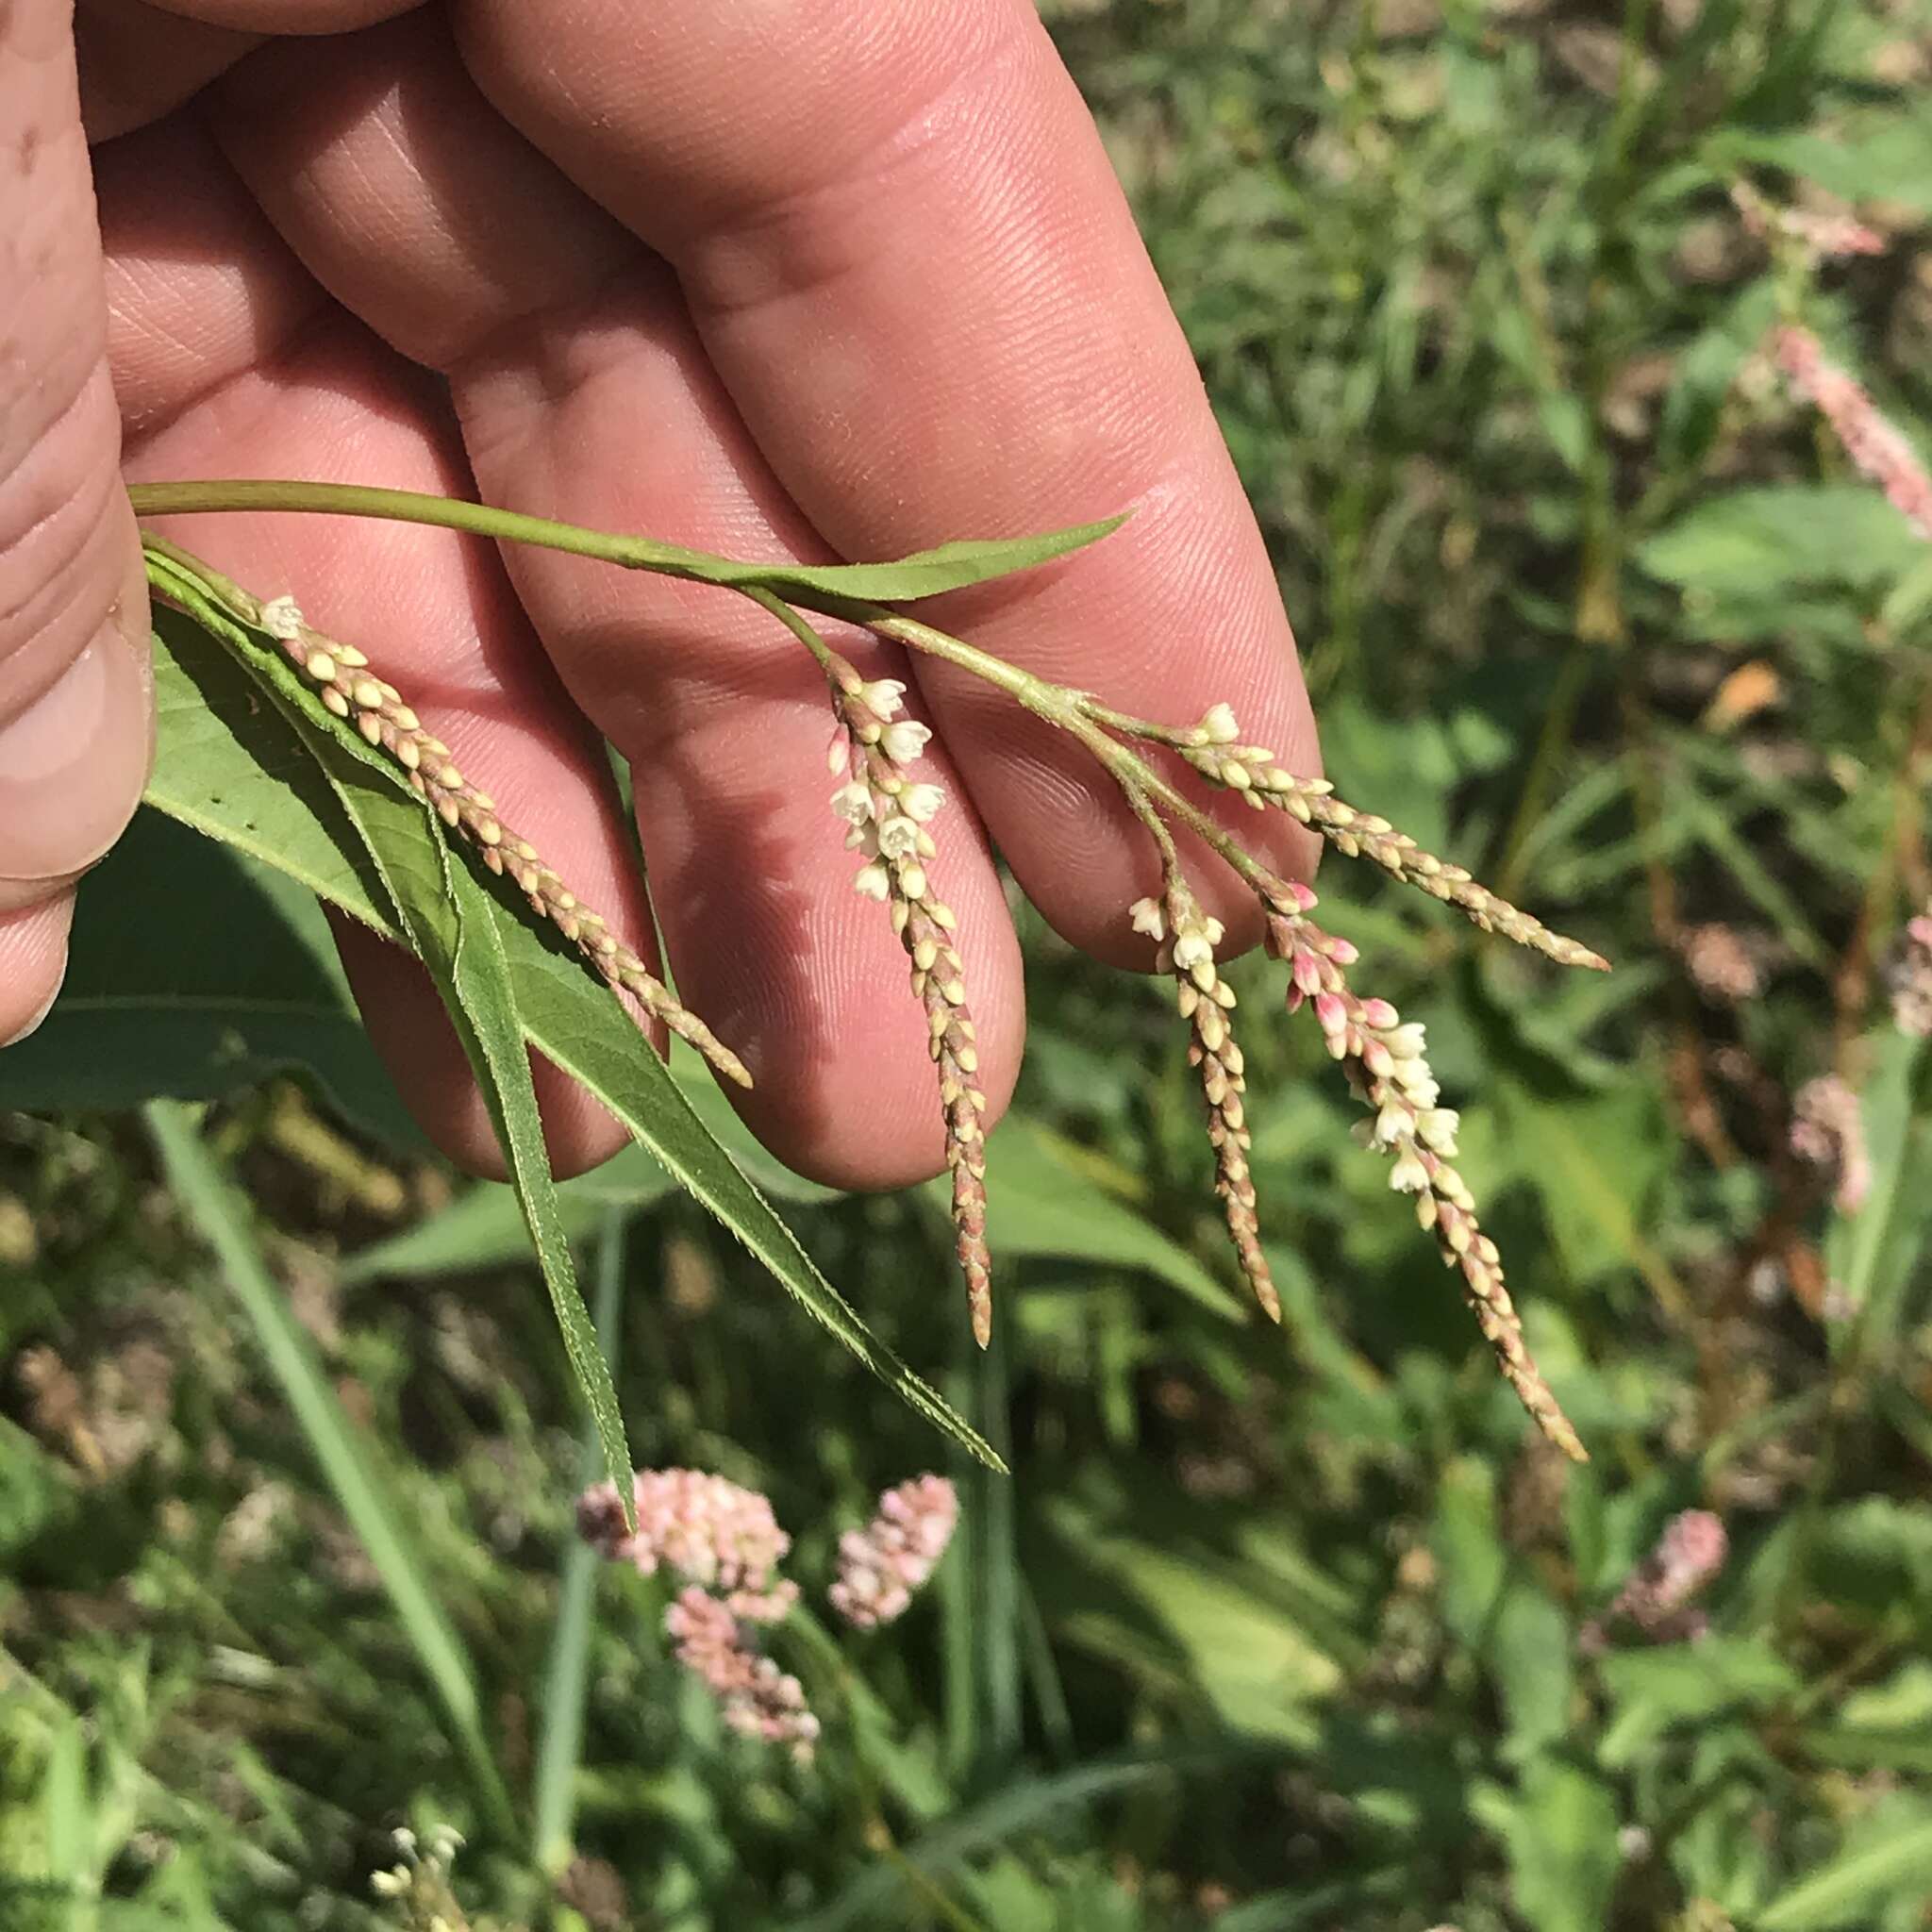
x=801, y=340
x=832, y=280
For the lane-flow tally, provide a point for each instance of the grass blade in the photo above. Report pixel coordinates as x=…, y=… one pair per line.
x=561, y=1744
x=218, y=1212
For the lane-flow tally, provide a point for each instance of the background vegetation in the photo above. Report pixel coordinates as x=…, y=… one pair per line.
x=1265, y=1630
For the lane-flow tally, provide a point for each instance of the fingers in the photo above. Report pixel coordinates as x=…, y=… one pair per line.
x=235, y=364
x=75, y=700
x=444, y=229
x=33, y=959
x=908, y=258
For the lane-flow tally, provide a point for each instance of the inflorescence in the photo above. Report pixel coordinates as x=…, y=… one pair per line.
x=889, y=814
x=722, y=1544
x=351, y=690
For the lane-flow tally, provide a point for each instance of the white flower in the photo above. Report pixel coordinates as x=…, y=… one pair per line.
x=881, y=696
x=906, y=740
x=1392, y=1123
x=921, y=802
x=281, y=617
x=872, y=881
x=1218, y=726
x=898, y=838
x=1148, y=918
x=852, y=803
x=1418, y=1085
x=1408, y=1175
x=1192, y=948
x=1405, y=1042
x=1438, y=1128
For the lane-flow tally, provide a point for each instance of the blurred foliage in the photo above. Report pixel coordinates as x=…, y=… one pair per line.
x=1265, y=1631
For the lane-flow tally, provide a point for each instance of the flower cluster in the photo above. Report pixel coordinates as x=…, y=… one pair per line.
x=1908, y=979
x=1213, y=747
x=1829, y=1133
x=1818, y=237
x=1656, y=1597
x=1185, y=938
x=1876, y=444
x=888, y=813
x=882, y=1565
x=418, y=1882
x=1385, y=1060
x=723, y=1546
x=758, y=1699
x=705, y=1529
x=351, y=690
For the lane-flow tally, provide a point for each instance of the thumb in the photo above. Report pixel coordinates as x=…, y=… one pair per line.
x=75, y=700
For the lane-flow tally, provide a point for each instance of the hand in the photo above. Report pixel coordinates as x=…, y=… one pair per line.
x=818, y=278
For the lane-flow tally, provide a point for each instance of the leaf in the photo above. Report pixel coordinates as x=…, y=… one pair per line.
x=217, y=1210
x=231, y=766
x=924, y=574
x=1890, y=1862
x=1875, y=1254
x=193, y=970
x=1041, y=1200
x=483, y=1227
x=1876, y=157
x=453, y=928
x=1561, y=1837
x=1745, y=553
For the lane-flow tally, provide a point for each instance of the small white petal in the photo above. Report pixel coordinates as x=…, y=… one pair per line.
x=1148, y=918
x=872, y=881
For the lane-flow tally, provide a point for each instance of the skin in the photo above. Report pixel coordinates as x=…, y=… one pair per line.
x=827, y=278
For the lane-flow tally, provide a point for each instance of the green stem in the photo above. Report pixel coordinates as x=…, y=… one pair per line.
x=442, y=512
x=1070, y=710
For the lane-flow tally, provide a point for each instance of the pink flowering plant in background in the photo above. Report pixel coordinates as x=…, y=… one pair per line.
x=723, y=1545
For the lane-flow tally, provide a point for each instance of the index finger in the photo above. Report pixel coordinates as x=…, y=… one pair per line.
x=908, y=255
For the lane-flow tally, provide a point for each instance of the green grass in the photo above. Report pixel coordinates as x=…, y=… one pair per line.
x=1265, y=1630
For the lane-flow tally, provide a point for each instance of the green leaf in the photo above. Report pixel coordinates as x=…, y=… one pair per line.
x=1874, y=157
x=1746, y=551
x=1042, y=1198
x=451, y=926
x=926, y=573
x=233, y=767
x=193, y=970
x=222, y=1217
x=1890, y=1862
x=483, y=1227
x=1561, y=1836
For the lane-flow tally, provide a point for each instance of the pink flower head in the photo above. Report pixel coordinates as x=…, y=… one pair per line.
x=758, y=1699
x=1656, y=1595
x=704, y=1528
x=1873, y=442
x=882, y=1565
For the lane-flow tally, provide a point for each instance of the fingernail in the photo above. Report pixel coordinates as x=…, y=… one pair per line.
x=72, y=764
